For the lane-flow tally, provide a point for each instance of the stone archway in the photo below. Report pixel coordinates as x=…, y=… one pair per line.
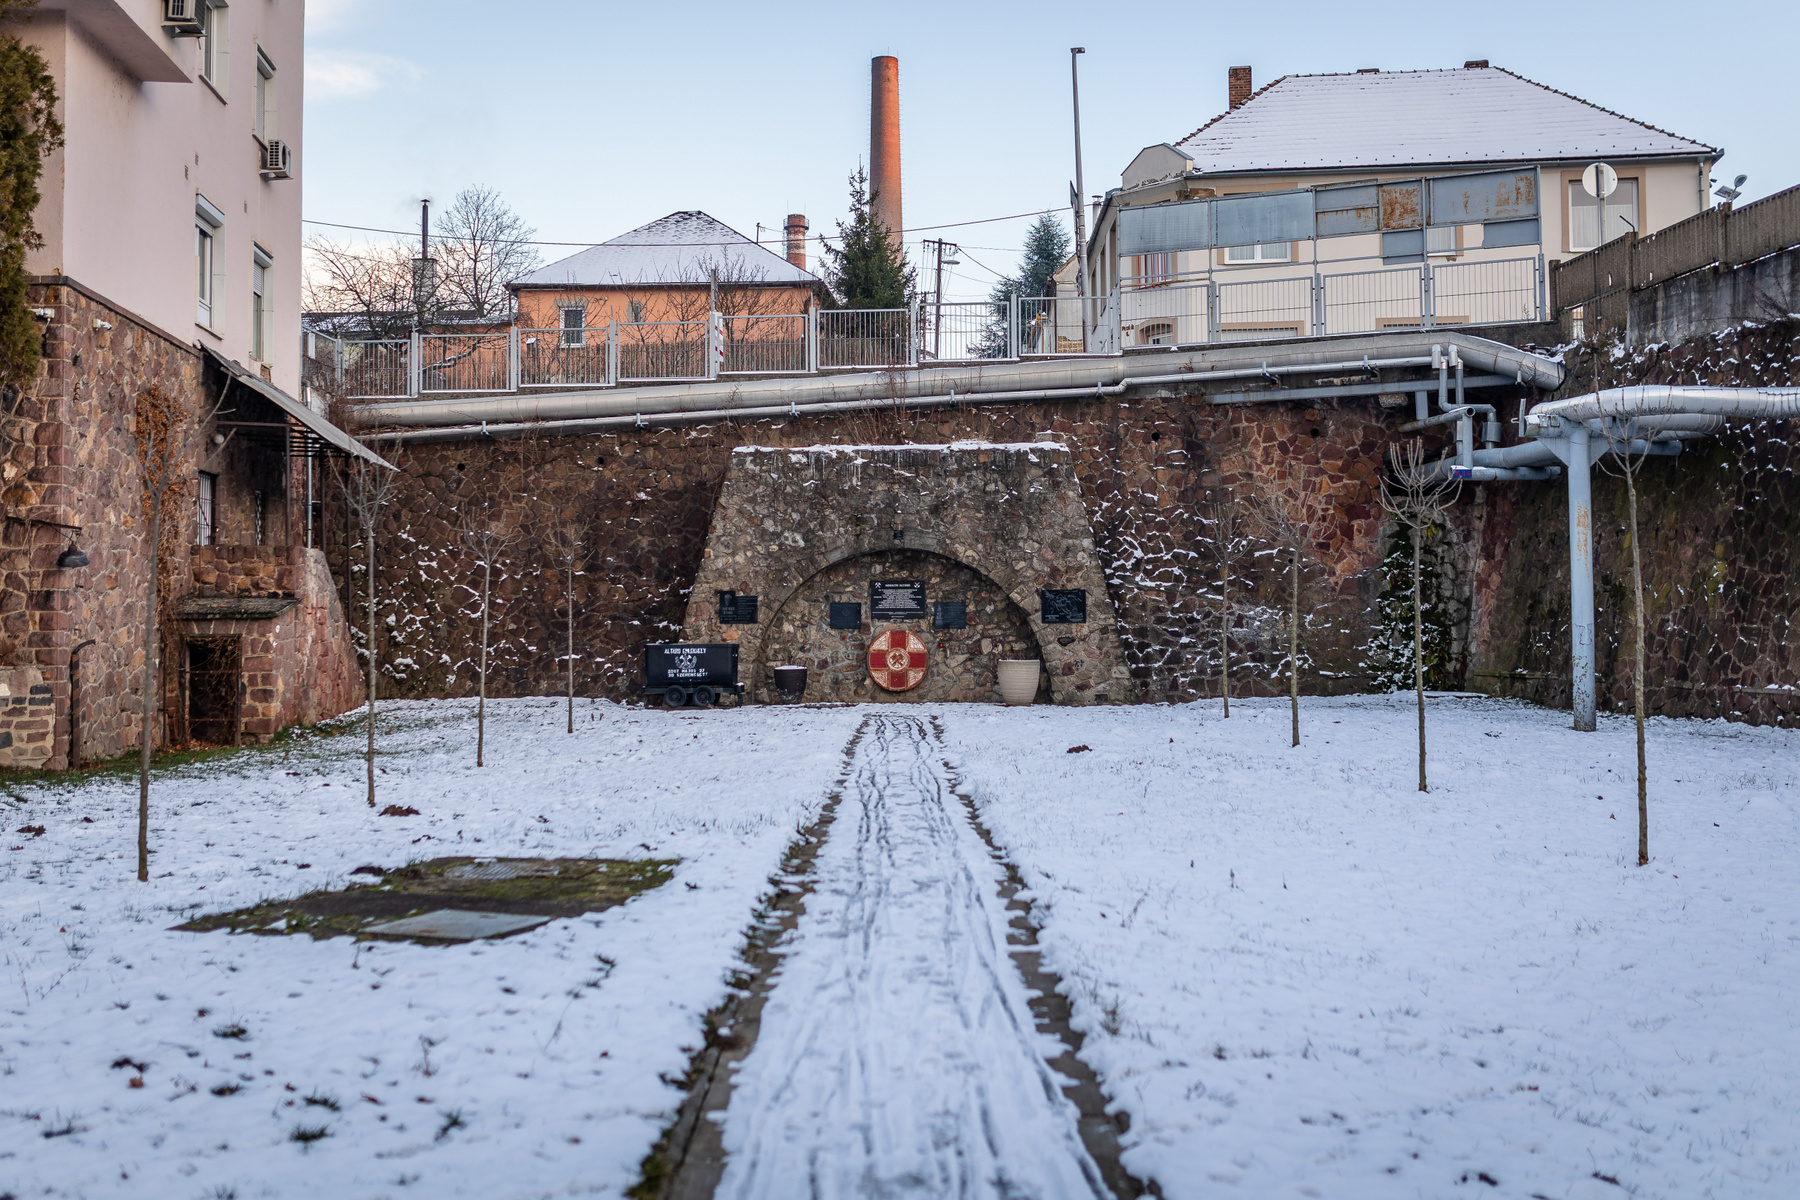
x=964, y=662
x=1011, y=514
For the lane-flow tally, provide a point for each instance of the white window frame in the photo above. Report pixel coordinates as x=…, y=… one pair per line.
x=1440, y=241
x=1262, y=252
x=206, y=509
x=215, y=44
x=1156, y=268
x=1157, y=333
x=579, y=330
x=264, y=117
x=260, y=264
x=208, y=221
x=1576, y=197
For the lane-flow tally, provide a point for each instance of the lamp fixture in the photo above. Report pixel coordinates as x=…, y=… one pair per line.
x=71, y=558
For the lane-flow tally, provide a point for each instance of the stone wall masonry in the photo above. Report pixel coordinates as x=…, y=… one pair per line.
x=1151, y=471
x=1721, y=555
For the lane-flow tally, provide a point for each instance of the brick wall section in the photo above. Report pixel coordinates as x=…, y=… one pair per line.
x=1147, y=469
x=1721, y=556
x=245, y=570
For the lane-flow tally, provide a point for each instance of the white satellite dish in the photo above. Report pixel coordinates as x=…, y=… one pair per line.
x=1600, y=181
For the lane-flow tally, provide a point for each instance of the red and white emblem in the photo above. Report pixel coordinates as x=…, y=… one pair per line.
x=897, y=660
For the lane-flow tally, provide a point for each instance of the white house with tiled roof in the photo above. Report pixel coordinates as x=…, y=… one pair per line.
x=1342, y=157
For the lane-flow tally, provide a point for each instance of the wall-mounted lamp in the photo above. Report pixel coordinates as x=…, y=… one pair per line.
x=71, y=558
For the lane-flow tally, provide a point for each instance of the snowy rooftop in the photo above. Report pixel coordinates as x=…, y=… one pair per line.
x=683, y=247
x=1406, y=118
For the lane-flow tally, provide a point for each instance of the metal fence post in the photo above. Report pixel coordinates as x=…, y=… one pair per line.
x=1012, y=326
x=914, y=313
x=1541, y=306
x=612, y=353
x=337, y=355
x=512, y=358
x=812, y=341
x=1427, y=297
x=414, y=373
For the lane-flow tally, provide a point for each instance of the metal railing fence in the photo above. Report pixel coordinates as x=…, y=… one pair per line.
x=1050, y=325
x=1366, y=301
x=1486, y=293
x=377, y=370
x=565, y=357
x=965, y=330
x=1255, y=309
x=775, y=344
x=663, y=351
x=465, y=362
x=867, y=337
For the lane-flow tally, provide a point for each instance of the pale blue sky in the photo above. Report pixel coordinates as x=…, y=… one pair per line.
x=595, y=118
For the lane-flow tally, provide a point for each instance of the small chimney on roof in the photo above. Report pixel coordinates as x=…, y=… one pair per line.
x=1238, y=87
x=1475, y=62
x=796, y=239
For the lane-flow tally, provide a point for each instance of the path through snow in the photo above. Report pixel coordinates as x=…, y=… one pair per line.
x=897, y=1055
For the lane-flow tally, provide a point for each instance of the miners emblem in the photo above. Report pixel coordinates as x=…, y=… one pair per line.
x=897, y=660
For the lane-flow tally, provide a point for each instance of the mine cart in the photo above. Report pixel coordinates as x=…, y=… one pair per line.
x=691, y=674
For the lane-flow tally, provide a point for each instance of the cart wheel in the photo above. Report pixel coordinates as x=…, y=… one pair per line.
x=703, y=697
x=674, y=698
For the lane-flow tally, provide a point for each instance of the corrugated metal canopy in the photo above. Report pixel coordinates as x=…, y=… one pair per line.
x=1418, y=118
x=312, y=425
x=683, y=247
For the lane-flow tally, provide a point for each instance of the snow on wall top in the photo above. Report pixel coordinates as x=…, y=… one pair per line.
x=840, y=448
x=1406, y=118
x=683, y=247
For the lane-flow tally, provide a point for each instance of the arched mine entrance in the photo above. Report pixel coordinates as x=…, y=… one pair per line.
x=963, y=663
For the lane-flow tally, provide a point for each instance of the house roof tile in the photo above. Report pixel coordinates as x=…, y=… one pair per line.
x=682, y=247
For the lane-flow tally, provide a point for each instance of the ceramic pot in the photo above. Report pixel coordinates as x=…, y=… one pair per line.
x=790, y=682
x=1019, y=679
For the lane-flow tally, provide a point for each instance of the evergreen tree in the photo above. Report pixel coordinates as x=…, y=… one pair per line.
x=1391, y=665
x=867, y=268
x=29, y=130
x=1046, y=249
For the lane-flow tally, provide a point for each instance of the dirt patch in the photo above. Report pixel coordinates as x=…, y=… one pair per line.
x=549, y=887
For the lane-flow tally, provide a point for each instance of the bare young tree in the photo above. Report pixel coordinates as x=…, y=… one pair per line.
x=487, y=534
x=565, y=538
x=1280, y=521
x=371, y=284
x=1417, y=495
x=1626, y=465
x=367, y=487
x=1227, y=547
x=483, y=246
x=168, y=441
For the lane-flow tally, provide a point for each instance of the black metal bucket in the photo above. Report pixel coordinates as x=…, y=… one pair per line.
x=790, y=682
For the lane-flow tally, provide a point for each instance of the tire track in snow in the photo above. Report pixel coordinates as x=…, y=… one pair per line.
x=897, y=1055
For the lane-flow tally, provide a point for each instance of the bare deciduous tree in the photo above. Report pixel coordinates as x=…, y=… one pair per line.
x=1417, y=495
x=484, y=246
x=565, y=538
x=367, y=487
x=1227, y=546
x=487, y=533
x=1626, y=465
x=168, y=441
x=371, y=284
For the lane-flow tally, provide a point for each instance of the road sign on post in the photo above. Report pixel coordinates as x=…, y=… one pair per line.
x=1600, y=180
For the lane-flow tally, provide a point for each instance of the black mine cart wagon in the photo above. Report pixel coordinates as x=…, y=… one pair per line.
x=691, y=674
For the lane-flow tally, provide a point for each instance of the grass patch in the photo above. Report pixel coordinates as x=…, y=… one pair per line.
x=232, y=1032
x=321, y=1100
x=553, y=887
x=306, y=1135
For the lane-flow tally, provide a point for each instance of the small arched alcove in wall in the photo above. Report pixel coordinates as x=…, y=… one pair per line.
x=1010, y=516
x=963, y=660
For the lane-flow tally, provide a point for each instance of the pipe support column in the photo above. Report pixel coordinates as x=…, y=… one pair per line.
x=1581, y=577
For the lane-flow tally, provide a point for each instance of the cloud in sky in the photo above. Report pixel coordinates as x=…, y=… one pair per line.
x=349, y=74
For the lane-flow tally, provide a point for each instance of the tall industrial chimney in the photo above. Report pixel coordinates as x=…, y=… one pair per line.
x=796, y=239
x=884, y=141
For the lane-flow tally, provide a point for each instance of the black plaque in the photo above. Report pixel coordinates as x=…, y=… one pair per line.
x=1067, y=606
x=897, y=600
x=950, y=614
x=736, y=610
x=669, y=664
x=846, y=615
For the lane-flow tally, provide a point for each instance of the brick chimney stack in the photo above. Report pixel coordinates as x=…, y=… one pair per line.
x=1238, y=85
x=796, y=239
x=884, y=141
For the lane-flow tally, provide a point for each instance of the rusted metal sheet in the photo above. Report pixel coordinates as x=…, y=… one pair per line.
x=1401, y=206
x=1347, y=209
x=1488, y=196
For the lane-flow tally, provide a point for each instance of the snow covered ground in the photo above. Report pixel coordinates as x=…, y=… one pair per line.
x=1299, y=976
x=549, y=1049
x=1303, y=978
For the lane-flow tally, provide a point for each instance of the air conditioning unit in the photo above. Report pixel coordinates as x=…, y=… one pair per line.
x=184, y=18
x=277, y=160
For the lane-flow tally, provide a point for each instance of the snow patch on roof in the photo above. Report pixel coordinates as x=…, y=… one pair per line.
x=1418, y=118
x=683, y=247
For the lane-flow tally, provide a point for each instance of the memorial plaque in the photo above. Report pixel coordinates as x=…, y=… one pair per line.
x=1062, y=606
x=846, y=615
x=950, y=614
x=897, y=600
x=675, y=664
x=736, y=610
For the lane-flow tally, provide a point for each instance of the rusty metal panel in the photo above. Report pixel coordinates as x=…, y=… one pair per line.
x=1157, y=228
x=1347, y=209
x=1480, y=198
x=1401, y=205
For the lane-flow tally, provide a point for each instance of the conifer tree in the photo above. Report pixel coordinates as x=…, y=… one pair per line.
x=1046, y=249
x=867, y=268
x=29, y=131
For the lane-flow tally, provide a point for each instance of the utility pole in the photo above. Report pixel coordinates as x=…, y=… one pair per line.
x=945, y=253
x=1082, y=284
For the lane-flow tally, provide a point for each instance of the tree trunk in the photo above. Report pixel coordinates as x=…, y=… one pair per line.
x=1419, y=647
x=571, y=644
x=369, y=588
x=1637, y=681
x=1225, y=636
x=487, y=572
x=149, y=686
x=1294, y=648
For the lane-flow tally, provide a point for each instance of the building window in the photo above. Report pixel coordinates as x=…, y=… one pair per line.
x=259, y=301
x=1155, y=268
x=215, y=43
x=206, y=507
x=257, y=511
x=208, y=220
x=1264, y=252
x=1585, y=232
x=1159, y=333
x=265, y=98
x=574, y=326
x=1440, y=241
